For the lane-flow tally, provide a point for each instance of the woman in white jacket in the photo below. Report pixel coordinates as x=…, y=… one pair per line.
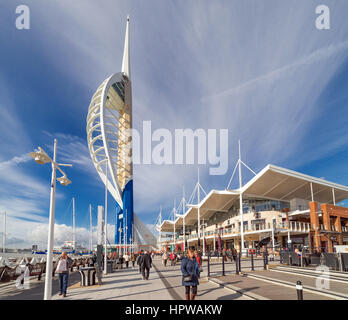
x=63, y=273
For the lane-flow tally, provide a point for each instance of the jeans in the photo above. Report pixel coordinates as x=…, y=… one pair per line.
x=63, y=282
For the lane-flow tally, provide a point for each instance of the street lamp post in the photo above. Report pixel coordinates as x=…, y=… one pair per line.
x=106, y=218
x=119, y=247
x=41, y=157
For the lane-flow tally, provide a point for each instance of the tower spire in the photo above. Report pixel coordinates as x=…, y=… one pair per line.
x=126, y=60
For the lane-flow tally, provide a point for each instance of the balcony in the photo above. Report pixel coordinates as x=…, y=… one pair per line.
x=299, y=226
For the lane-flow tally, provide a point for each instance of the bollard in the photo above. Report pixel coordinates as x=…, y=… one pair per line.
x=299, y=289
x=208, y=266
x=281, y=256
x=252, y=261
x=237, y=264
x=264, y=261
x=223, y=265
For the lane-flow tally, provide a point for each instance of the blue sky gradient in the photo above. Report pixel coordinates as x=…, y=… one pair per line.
x=259, y=68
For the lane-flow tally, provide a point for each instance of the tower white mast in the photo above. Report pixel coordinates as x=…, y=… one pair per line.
x=126, y=53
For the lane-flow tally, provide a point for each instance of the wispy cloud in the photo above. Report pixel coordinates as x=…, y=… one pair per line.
x=285, y=71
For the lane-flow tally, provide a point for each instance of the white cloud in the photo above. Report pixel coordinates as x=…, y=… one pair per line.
x=23, y=234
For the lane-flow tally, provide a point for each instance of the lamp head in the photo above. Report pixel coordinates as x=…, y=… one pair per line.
x=64, y=180
x=40, y=156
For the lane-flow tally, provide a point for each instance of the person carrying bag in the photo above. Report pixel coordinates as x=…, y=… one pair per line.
x=62, y=270
x=190, y=274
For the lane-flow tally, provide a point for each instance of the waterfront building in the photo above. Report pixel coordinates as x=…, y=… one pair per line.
x=280, y=205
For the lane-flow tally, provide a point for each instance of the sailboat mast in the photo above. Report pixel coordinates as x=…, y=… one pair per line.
x=74, y=239
x=4, y=233
x=90, y=226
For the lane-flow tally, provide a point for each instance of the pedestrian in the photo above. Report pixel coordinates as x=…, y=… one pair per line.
x=140, y=257
x=146, y=264
x=190, y=274
x=63, y=273
x=199, y=260
x=229, y=254
x=133, y=259
x=121, y=260
x=94, y=257
x=165, y=258
x=234, y=253
x=171, y=257
x=126, y=259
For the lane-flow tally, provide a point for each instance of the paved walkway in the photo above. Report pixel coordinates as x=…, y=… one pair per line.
x=163, y=284
x=9, y=291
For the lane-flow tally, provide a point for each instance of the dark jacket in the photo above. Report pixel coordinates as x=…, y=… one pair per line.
x=139, y=259
x=188, y=267
x=146, y=261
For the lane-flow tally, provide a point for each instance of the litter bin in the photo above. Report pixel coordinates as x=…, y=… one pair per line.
x=109, y=266
x=87, y=276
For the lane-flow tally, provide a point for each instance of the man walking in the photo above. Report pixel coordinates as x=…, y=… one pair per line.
x=140, y=257
x=146, y=264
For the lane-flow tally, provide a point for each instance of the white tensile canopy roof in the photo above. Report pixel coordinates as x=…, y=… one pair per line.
x=277, y=183
x=272, y=182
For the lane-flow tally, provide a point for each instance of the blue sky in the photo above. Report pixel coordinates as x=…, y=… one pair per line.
x=259, y=68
